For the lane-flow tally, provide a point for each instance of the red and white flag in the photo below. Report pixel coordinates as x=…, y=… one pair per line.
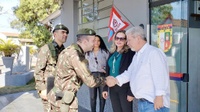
x=115, y=23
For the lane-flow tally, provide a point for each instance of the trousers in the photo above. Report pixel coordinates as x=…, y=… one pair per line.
x=45, y=105
x=93, y=95
x=146, y=106
x=118, y=97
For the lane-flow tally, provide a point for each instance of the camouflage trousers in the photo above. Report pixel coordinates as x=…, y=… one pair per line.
x=45, y=105
x=57, y=109
x=57, y=105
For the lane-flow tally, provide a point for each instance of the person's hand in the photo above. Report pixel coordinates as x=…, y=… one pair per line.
x=43, y=94
x=105, y=94
x=130, y=98
x=111, y=81
x=158, y=102
x=103, y=70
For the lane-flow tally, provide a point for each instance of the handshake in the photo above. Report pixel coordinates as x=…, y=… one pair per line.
x=111, y=81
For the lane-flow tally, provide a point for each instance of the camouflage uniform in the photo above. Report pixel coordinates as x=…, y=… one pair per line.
x=71, y=71
x=45, y=68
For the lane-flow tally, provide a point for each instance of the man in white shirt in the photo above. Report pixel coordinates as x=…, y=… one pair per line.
x=148, y=74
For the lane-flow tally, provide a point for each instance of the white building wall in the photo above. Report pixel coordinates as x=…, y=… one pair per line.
x=133, y=11
x=69, y=18
x=56, y=21
x=136, y=11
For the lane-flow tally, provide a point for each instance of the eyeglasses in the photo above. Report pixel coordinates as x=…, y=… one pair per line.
x=96, y=60
x=120, y=38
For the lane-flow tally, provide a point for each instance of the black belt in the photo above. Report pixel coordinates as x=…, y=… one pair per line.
x=99, y=73
x=142, y=99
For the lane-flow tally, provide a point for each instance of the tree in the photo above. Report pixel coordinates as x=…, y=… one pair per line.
x=43, y=33
x=30, y=13
x=161, y=13
x=16, y=24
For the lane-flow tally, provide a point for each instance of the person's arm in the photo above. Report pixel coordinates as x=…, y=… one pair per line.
x=132, y=53
x=125, y=76
x=80, y=65
x=40, y=68
x=122, y=78
x=129, y=92
x=130, y=95
x=160, y=76
x=105, y=56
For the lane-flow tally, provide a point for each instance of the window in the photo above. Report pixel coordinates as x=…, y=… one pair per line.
x=91, y=10
x=87, y=11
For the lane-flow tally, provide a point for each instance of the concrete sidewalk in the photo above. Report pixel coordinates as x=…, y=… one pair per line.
x=24, y=102
x=21, y=102
x=30, y=102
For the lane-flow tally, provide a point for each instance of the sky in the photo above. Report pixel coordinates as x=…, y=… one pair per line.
x=179, y=10
x=8, y=15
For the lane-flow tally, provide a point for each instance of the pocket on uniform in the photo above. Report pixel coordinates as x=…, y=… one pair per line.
x=68, y=97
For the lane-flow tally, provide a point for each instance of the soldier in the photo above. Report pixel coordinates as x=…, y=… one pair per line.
x=71, y=72
x=46, y=61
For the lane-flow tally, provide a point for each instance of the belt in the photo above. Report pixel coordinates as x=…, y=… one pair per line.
x=142, y=99
x=99, y=73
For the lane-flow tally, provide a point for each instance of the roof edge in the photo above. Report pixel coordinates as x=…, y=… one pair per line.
x=51, y=16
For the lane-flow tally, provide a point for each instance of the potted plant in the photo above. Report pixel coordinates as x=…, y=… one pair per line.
x=8, y=48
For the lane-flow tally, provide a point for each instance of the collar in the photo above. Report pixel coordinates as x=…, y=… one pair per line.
x=143, y=48
x=81, y=50
x=56, y=45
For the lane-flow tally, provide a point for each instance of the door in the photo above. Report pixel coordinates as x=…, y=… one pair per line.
x=168, y=31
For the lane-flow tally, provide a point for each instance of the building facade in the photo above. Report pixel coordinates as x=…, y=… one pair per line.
x=171, y=25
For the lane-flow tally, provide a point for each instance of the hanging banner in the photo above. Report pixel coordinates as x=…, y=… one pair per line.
x=164, y=39
x=115, y=23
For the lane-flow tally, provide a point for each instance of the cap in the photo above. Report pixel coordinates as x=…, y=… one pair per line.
x=61, y=27
x=86, y=31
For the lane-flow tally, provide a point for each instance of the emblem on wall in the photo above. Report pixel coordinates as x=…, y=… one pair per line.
x=164, y=39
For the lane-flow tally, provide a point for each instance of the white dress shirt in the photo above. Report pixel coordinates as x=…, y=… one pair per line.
x=148, y=75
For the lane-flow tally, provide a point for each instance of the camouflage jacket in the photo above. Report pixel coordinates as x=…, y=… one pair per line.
x=45, y=65
x=72, y=70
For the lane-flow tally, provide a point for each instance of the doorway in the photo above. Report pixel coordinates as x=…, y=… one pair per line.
x=169, y=32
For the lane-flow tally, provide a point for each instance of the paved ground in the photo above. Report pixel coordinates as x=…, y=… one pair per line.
x=21, y=102
x=24, y=102
x=30, y=102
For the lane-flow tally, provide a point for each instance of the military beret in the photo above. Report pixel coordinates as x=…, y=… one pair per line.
x=86, y=31
x=61, y=27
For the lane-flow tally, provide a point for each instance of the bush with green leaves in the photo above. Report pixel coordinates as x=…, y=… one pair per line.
x=8, y=47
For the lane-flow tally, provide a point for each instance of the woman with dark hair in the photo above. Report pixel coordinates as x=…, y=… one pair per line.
x=97, y=63
x=119, y=61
